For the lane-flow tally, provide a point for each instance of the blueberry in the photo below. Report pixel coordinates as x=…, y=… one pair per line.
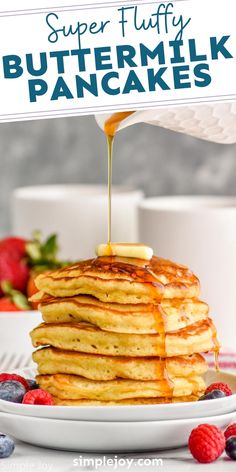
x=7, y=446
x=230, y=448
x=213, y=395
x=32, y=384
x=12, y=391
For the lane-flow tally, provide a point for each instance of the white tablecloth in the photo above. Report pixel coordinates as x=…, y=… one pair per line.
x=32, y=459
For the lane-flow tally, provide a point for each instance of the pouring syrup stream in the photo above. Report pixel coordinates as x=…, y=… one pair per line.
x=110, y=129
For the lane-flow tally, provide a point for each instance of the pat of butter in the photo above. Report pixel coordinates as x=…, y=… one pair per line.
x=137, y=251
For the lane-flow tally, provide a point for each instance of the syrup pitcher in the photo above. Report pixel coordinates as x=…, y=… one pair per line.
x=214, y=122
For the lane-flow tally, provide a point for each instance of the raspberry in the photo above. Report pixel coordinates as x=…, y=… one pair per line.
x=230, y=431
x=4, y=377
x=220, y=386
x=206, y=443
x=38, y=397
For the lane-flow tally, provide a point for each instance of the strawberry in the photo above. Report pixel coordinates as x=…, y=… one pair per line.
x=42, y=256
x=13, y=269
x=12, y=300
x=32, y=289
x=21, y=261
x=7, y=305
x=17, y=245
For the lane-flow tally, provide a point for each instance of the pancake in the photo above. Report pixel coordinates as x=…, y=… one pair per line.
x=121, y=280
x=94, y=367
x=130, y=401
x=73, y=387
x=167, y=315
x=84, y=337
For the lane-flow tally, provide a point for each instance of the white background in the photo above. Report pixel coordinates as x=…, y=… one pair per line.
x=26, y=31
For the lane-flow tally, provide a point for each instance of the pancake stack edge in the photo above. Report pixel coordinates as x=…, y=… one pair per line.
x=122, y=331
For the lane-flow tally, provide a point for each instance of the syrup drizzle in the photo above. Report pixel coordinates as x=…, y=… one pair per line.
x=110, y=141
x=110, y=129
x=113, y=123
x=161, y=328
x=216, y=348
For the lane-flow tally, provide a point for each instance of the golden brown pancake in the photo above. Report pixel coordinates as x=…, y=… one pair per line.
x=130, y=401
x=121, y=280
x=167, y=315
x=84, y=337
x=96, y=367
x=73, y=387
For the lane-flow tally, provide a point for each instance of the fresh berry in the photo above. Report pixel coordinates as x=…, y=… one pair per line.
x=230, y=431
x=12, y=391
x=213, y=395
x=32, y=384
x=7, y=446
x=14, y=244
x=4, y=377
x=13, y=269
x=38, y=397
x=32, y=289
x=13, y=299
x=220, y=386
x=43, y=255
x=230, y=448
x=206, y=443
x=7, y=305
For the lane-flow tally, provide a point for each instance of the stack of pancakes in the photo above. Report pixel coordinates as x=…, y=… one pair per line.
x=122, y=331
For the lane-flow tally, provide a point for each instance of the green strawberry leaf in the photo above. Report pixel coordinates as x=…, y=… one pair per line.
x=20, y=300
x=43, y=256
x=6, y=287
x=50, y=248
x=15, y=296
x=33, y=250
x=37, y=236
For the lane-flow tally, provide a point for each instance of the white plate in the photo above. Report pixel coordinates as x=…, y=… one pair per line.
x=90, y=436
x=130, y=413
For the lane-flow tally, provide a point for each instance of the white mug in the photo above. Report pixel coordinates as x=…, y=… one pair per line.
x=14, y=333
x=201, y=233
x=77, y=213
